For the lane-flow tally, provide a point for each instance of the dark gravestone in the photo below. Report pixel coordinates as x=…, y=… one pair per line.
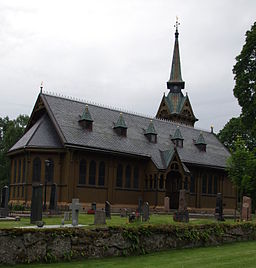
x=145, y=212
x=100, y=217
x=182, y=214
x=36, y=203
x=219, y=208
x=4, y=210
x=123, y=212
x=93, y=206
x=140, y=203
x=108, y=210
x=132, y=217
x=53, y=198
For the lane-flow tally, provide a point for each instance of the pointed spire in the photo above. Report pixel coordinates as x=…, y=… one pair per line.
x=175, y=83
x=177, y=134
x=86, y=116
x=120, y=122
x=200, y=139
x=151, y=129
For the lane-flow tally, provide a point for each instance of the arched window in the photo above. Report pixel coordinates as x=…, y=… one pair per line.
x=15, y=171
x=49, y=170
x=101, y=180
x=161, y=182
x=18, y=191
x=136, y=178
x=215, y=187
x=22, y=192
x=36, y=170
x=119, y=176
x=155, y=181
x=92, y=173
x=204, y=184
x=210, y=184
x=13, y=191
x=19, y=171
x=82, y=172
x=24, y=170
x=128, y=177
x=150, y=182
x=186, y=184
x=192, y=184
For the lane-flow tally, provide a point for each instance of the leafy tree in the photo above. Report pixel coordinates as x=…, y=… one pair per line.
x=245, y=80
x=234, y=129
x=10, y=132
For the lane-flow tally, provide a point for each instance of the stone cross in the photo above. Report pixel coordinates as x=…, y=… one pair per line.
x=145, y=212
x=219, y=208
x=100, y=217
x=247, y=209
x=75, y=206
x=108, y=210
x=53, y=198
x=182, y=200
x=182, y=214
x=4, y=210
x=36, y=203
x=167, y=204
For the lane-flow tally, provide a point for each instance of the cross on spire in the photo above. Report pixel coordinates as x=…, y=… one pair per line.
x=177, y=24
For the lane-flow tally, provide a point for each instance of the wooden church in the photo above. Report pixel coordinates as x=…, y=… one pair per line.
x=99, y=154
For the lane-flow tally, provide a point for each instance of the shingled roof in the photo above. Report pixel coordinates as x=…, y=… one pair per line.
x=64, y=116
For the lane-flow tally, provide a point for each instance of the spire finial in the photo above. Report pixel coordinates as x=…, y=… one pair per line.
x=41, y=87
x=177, y=24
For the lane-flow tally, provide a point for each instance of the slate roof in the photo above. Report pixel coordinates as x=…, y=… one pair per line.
x=65, y=116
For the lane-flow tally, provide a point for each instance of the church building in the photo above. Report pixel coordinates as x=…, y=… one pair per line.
x=99, y=154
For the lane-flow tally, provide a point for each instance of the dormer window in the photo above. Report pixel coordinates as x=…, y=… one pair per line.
x=151, y=133
x=86, y=119
x=177, y=138
x=200, y=143
x=120, y=126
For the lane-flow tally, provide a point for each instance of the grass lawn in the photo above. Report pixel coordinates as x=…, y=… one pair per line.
x=115, y=220
x=241, y=254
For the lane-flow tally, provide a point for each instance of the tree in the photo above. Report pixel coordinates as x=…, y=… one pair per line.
x=245, y=80
x=234, y=129
x=10, y=132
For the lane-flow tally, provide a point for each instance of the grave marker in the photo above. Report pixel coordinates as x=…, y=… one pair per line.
x=36, y=203
x=53, y=198
x=100, y=217
x=4, y=210
x=145, y=212
x=182, y=214
x=219, y=208
x=247, y=209
x=76, y=207
x=108, y=210
x=167, y=204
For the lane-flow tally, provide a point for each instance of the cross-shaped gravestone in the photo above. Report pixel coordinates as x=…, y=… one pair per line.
x=75, y=206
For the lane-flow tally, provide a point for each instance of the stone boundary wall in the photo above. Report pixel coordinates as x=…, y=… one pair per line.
x=50, y=245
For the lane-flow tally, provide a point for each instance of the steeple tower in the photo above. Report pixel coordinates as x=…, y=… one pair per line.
x=175, y=83
x=175, y=106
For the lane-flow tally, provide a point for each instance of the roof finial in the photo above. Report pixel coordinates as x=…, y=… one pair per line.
x=177, y=24
x=41, y=87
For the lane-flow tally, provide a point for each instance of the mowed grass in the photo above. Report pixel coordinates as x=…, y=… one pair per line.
x=241, y=254
x=88, y=220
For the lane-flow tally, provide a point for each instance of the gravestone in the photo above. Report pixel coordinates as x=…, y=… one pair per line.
x=100, y=217
x=247, y=209
x=108, y=210
x=123, y=212
x=76, y=207
x=53, y=198
x=36, y=203
x=140, y=203
x=66, y=216
x=219, y=208
x=4, y=210
x=132, y=217
x=166, y=204
x=145, y=212
x=93, y=206
x=182, y=214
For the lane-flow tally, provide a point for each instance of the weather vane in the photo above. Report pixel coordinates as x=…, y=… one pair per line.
x=41, y=87
x=177, y=24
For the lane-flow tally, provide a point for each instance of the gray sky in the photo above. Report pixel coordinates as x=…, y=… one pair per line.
x=119, y=53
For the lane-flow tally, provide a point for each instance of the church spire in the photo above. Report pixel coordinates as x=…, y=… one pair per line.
x=175, y=83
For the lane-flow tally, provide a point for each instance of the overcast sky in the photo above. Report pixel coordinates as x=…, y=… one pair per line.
x=119, y=53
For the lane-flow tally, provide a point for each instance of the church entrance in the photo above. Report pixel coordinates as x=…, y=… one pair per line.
x=173, y=186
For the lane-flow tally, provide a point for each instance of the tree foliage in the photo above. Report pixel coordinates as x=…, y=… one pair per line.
x=10, y=132
x=245, y=80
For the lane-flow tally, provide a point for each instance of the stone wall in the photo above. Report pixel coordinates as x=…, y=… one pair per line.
x=49, y=245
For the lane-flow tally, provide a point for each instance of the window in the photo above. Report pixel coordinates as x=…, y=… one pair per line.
x=204, y=184
x=146, y=183
x=18, y=191
x=13, y=191
x=155, y=181
x=161, y=182
x=92, y=172
x=192, y=184
x=82, y=172
x=49, y=170
x=36, y=170
x=19, y=171
x=24, y=170
x=186, y=184
x=215, y=186
x=15, y=171
x=210, y=184
x=119, y=176
x=128, y=177
x=101, y=180
x=150, y=182
x=136, y=178
x=22, y=191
